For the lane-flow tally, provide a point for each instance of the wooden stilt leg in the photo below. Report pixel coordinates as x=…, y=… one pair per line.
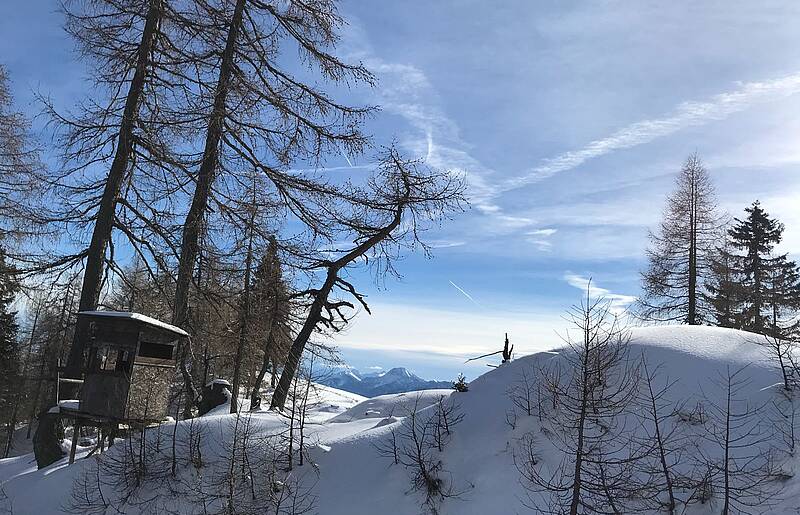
x=76, y=432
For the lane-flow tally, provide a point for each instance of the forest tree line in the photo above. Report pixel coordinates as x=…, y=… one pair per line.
x=705, y=267
x=190, y=185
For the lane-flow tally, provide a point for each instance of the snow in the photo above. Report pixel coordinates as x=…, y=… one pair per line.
x=223, y=382
x=72, y=404
x=390, y=405
x=137, y=316
x=349, y=478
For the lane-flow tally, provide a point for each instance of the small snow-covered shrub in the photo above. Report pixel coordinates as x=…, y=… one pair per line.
x=461, y=384
x=693, y=417
x=417, y=445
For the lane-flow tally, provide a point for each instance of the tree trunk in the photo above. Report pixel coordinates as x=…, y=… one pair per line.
x=576, y=479
x=299, y=343
x=257, y=384
x=205, y=178
x=321, y=299
x=244, y=321
x=726, y=467
x=693, y=228
x=10, y=430
x=36, y=397
x=660, y=441
x=104, y=221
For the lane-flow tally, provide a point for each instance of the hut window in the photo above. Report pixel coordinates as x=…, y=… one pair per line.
x=123, y=361
x=103, y=358
x=108, y=359
x=155, y=350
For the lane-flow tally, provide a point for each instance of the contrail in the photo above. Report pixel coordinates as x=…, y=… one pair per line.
x=344, y=154
x=686, y=114
x=467, y=295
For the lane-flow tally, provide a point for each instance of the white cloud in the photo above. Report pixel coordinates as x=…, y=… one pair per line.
x=404, y=90
x=445, y=244
x=541, y=238
x=619, y=303
x=402, y=327
x=686, y=114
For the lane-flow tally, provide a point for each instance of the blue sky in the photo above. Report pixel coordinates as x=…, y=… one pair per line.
x=569, y=120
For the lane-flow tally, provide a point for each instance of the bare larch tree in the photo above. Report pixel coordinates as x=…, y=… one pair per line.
x=680, y=249
x=592, y=386
x=391, y=212
x=119, y=173
x=20, y=168
x=255, y=115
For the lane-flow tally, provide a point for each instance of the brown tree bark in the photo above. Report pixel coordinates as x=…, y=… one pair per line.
x=244, y=321
x=321, y=300
x=104, y=220
x=193, y=224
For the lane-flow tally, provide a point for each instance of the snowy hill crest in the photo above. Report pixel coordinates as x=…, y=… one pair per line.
x=481, y=458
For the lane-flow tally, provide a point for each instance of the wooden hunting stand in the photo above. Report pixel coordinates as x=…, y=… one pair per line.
x=128, y=370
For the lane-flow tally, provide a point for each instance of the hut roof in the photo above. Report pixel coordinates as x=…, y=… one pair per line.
x=138, y=317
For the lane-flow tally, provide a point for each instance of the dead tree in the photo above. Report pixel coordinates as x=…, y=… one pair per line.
x=783, y=351
x=251, y=475
x=680, y=251
x=505, y=351
x=523, y=392
x=592, y=385
x=258, y=116
x=417, y=443
x=784, y=418
x=661, y=438
x=129, y=127
x=403, y=191
x=448, y=414
x=740, y=459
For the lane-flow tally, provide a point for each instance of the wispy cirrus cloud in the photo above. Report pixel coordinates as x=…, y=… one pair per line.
x=686, y=114
x=541, y=238
x=404, y=90
x=619, y=302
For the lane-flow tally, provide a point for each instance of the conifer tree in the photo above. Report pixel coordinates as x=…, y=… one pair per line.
x=10, y=358
x=679, y=251
x=722, y=288
x=20, y=168
x=783, y=298
x=272, y=313
x=765, y=280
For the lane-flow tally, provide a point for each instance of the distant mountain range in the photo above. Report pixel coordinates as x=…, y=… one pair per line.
x=396, y=380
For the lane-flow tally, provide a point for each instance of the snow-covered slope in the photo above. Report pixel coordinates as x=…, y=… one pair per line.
x=478, y=463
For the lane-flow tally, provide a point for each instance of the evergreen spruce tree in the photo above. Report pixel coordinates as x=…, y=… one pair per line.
x=754, y=238
x=783, y=298
x=722, y=292
x=10, y=359
x=272, y=313
x=679, y=251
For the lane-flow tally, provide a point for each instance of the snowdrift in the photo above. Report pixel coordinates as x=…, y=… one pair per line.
x=348, y=476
